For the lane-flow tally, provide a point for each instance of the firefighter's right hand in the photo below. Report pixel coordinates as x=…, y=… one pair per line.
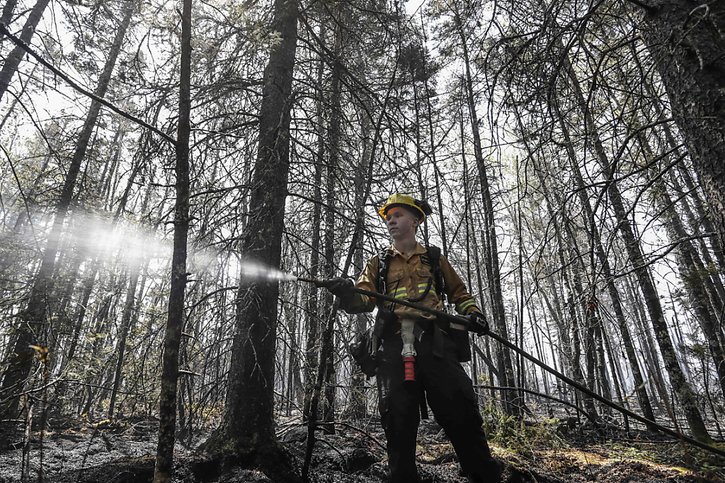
x=341, y=287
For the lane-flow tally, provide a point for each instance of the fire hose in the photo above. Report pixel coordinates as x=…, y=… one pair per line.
x=467, y=322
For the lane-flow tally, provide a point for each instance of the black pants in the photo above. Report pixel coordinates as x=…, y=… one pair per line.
x=449, y=394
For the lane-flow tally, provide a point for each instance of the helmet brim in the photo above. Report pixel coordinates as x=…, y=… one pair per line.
x=413, y=209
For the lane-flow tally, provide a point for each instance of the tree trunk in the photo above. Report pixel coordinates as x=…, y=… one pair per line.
x=80, y=314
x=311, y=306
x=128, y=309
x=578, y=300
x=691, y=269
x=12, y=61
x=59, y=316
x=521, y=367
x=685, y=38
x=358, y=399
x=333, y=165
x=248, y=424
x=101, y=328
x=164, y=467
x=570, y=346
x=434, y=163
x=642, y=397
x=704, y=219
x=710, y=273
x=599, y=347
x=513, y=405
x=7, y=14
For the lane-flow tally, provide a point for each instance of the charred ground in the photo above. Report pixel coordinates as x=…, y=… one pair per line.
x=123, y=451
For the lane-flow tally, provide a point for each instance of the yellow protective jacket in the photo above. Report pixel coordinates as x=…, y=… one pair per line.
x=408, y=277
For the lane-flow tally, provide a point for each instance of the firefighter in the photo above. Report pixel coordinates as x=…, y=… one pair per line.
x=417, y=355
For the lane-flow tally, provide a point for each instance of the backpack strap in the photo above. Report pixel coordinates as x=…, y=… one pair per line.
x=434, y=257
x=384, y=264
x=385, y=314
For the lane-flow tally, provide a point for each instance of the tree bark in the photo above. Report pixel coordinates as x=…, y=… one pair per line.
x=311, y=306
x=686, y=41
x=248, y=424
x=12, y=61
x=642, y=397
x=7, y=14
x=513, y=405
x=126, y=318
x=690, y=267
x=164, y=468
x=358, y=399
x=570, y=346
x=333, y=134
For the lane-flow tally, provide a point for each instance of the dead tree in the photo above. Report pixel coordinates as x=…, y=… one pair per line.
x=686, y=41
x=12, y=61
x=247, y=429
x=164, y=468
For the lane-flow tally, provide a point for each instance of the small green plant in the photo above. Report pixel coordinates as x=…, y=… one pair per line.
x=520, y=435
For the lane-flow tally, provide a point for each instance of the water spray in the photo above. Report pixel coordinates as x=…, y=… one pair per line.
x=316, y=282
x=250, y=270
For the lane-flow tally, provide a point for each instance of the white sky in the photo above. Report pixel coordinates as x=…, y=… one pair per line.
x=412, y=5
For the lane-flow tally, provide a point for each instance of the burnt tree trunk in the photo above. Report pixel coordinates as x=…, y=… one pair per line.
x=682, y=388
x=686, y=41
x=7, y=14
x=512, y=402
x=570, y=346
x=312, y=303
x=12, y=61
x=333, y=134
x=164, y=468
x=248, y=424
x=357, y=408
x=128, y=309
x=690, y=267
x=642, y=397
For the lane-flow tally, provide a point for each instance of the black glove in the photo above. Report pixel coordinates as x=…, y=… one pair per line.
x=477, y=323
x=341, y=287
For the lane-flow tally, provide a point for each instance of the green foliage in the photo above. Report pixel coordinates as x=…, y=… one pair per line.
x=519, y=435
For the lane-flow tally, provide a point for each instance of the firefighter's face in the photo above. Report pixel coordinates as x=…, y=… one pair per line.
x=401, y=222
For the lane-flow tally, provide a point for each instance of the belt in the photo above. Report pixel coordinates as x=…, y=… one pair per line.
x=422, y=325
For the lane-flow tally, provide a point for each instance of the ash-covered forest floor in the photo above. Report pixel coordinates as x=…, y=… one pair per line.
x=123, y=451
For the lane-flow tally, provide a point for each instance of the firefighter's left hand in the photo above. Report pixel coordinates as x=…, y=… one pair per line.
x=478, y=323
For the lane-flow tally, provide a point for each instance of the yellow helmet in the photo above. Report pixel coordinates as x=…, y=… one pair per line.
x=420, y=207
